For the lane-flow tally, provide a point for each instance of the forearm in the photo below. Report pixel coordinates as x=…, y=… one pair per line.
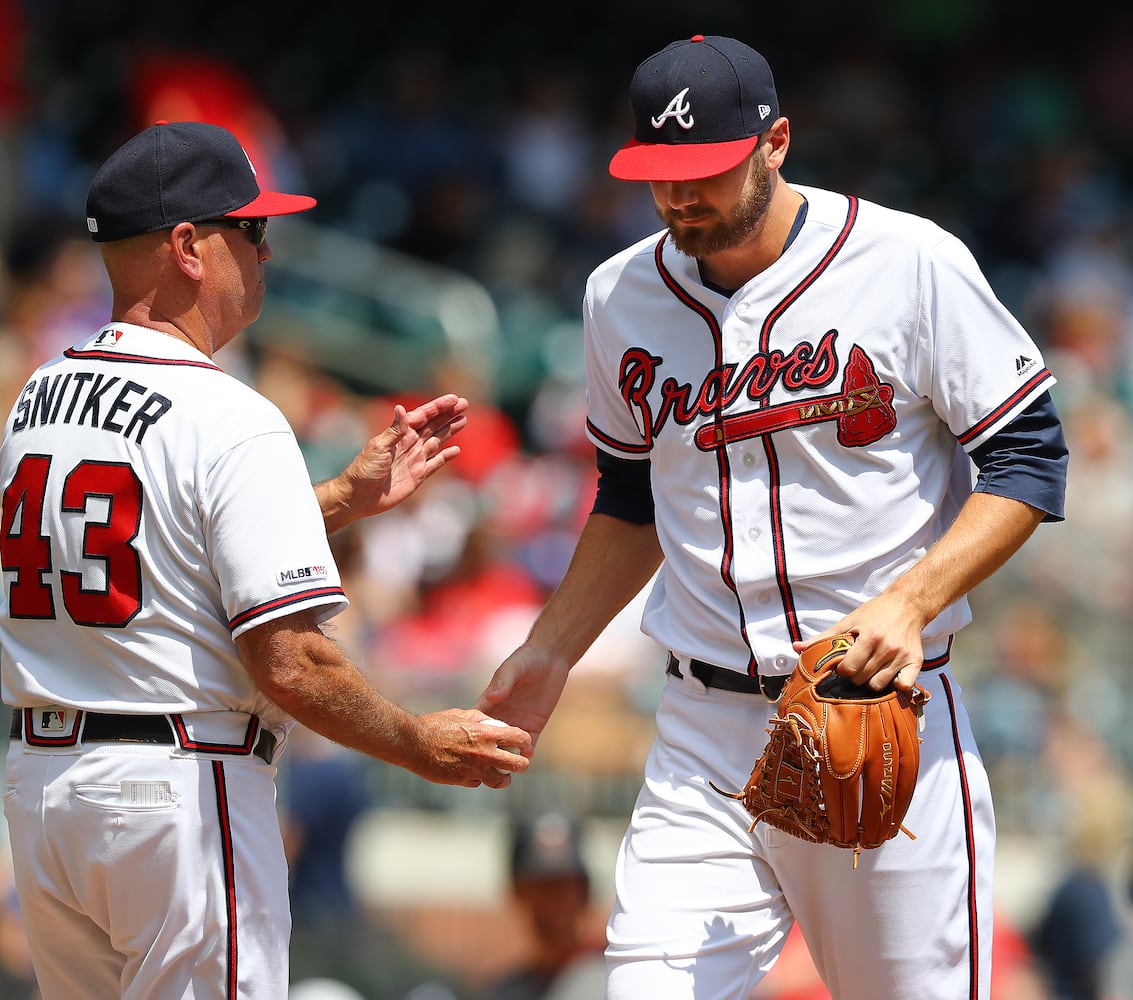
x=987, y=532
x=309, y=676
x=612, y=561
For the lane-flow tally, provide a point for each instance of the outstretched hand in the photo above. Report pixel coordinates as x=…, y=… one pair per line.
x=525, y=689
x=395, y=462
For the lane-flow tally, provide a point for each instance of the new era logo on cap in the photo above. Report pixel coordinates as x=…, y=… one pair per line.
x=699, y=107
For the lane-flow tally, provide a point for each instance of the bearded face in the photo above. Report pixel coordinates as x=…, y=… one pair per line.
x=707, y=226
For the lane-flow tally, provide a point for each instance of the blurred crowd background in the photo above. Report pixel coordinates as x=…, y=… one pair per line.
x=459, y=158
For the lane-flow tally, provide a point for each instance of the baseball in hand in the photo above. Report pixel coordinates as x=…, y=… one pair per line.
x=500, y=722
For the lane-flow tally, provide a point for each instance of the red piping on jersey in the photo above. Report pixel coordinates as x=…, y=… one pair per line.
x=969, y=846
x=810, y=279
x=283, y=602
x=231, y=979
x=629, y=449
x=137, y=359
x=774, y=478
x=970, y=435
x=727, y=559
x=782, y=578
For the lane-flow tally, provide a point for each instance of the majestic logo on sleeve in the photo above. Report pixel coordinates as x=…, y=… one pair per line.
x=679, y=109
x=862, y=408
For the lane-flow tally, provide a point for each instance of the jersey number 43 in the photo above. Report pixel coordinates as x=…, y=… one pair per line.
x=26, y=547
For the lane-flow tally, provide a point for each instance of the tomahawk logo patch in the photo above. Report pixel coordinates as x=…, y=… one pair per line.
x=863, y=411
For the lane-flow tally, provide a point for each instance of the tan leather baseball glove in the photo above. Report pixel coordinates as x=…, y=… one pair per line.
x=841, y=762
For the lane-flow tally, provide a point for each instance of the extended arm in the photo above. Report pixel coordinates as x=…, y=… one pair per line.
x=612, y=561
x=308, y=675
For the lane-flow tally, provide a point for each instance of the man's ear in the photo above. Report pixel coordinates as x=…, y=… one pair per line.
x=778, y=142
x=185, y=248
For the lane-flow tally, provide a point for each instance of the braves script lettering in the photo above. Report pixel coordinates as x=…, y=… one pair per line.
x=806, y=367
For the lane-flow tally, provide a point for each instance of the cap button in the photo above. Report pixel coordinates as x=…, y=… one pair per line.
x=697, y=38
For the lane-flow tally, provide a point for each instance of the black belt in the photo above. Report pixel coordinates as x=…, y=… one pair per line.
x=102, y=727
x=769, y=685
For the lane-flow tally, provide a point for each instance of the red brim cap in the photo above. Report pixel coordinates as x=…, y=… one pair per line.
x=663, y=161
x=272, y=203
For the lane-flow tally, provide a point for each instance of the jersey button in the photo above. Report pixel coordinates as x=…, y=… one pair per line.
x=749, y=459
x=764, y=596
x=753, y=534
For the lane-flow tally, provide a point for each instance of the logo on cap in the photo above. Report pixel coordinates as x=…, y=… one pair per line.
x=678, y=109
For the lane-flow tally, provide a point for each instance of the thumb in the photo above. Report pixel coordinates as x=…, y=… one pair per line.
x=491, y=696
x=388, y=439
x=400, y=423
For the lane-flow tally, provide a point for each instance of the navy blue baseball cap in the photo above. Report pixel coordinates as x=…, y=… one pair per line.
x=699, y=107
x=179, y=172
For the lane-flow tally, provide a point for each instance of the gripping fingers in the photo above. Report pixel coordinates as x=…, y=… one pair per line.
x=509, y=749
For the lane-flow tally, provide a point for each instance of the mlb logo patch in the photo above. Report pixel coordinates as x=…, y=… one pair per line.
x=51, y=726
x=52, y=721
x=108, y=338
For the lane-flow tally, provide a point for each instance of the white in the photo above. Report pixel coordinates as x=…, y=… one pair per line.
x=154, y=507
x=818, y=527
x=228, y=526
x=808, y=440
x=704, y=906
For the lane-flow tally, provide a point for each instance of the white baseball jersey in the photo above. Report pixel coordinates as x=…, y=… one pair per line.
x=807, y=436
x=154, y=507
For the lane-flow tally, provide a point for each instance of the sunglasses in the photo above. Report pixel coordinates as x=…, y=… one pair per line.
x=256, y=229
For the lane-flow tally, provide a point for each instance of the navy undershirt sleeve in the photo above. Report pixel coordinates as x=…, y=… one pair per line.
x=624, y=488
x=1027, y=460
